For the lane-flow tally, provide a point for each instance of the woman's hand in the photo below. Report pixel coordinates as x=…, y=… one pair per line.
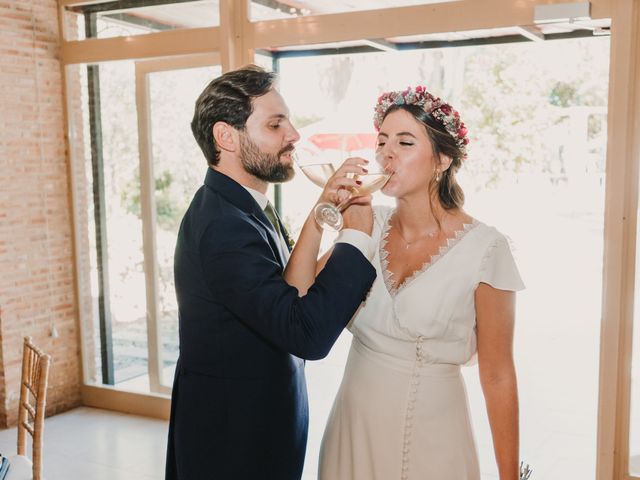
x=341, y=184
x=359, y=214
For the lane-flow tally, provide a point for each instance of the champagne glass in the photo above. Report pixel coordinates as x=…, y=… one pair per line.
x=319, y=169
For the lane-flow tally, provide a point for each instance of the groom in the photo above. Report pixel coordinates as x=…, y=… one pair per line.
x=239, y=403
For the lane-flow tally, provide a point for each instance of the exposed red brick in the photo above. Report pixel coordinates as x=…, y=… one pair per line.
x=37, y=284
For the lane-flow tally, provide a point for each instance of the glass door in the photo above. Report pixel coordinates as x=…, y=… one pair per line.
x=536, y=172
x=172, y=167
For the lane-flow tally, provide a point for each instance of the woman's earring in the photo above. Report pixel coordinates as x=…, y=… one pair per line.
x=437, y=175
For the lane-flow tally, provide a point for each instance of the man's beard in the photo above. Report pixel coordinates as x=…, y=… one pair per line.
x=263, y=165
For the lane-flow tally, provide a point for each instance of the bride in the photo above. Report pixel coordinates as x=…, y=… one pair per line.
x=445, y=292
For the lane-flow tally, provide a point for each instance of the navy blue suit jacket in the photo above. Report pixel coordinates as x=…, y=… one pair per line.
x=239, y=403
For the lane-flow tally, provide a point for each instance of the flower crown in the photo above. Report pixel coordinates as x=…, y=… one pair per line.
x=434, y=106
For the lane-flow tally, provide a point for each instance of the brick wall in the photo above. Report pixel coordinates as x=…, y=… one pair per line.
x=37, y=289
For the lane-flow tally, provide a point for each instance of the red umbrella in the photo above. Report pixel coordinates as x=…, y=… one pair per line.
x=344, y=131
x=347, y=142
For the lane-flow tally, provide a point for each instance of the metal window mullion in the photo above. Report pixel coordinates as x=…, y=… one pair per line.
x=100, y=217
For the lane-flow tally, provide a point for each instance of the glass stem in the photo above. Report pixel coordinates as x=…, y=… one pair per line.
x=341, y=206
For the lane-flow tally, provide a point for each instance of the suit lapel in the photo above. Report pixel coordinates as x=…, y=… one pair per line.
x=241, y=198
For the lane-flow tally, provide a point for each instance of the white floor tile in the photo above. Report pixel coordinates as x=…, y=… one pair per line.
x=92, y=444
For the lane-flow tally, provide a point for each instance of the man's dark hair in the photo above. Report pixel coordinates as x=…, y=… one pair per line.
x=228, y=99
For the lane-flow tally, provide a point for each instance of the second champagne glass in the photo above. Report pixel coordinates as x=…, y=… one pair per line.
x=319, y=170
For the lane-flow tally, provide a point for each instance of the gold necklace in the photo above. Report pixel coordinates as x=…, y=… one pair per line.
x=421, y=237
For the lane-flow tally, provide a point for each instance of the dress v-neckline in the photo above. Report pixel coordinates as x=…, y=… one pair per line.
x=389, y=282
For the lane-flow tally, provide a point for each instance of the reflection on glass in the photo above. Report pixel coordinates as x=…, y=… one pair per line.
x=124, y=18
x=536, y=113
x=269, y=10
x=179, y=169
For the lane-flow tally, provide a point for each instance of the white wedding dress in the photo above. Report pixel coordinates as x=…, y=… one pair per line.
x=401, y=411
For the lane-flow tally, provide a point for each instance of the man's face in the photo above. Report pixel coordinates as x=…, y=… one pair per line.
x=268, y=141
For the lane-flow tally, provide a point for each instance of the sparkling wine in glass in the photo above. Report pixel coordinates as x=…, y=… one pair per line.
x=371, y=182
x=318, y=171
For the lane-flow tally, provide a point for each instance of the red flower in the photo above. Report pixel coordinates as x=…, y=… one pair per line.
x=446, y=109
x=462, y=132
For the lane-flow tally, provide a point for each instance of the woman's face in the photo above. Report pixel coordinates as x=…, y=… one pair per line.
x=405, y=150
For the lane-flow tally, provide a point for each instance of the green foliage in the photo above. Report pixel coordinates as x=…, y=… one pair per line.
x=130, y=197
x=564, y=95
x=168, y=208
x=517, y=98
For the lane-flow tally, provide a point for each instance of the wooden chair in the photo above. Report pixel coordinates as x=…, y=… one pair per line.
x=33, y=394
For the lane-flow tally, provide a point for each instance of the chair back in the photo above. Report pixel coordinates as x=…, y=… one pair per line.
x=33, y=396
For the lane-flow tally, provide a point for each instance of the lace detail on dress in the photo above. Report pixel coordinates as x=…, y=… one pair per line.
x=384, y=254
x=384, y=262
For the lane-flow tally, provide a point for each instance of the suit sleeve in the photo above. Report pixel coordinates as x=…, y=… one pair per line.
x=243, y=275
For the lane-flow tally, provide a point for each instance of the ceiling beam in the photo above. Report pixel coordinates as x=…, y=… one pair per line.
x=462, y=15
x=150, y=45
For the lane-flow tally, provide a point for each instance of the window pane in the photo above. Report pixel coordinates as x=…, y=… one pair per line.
x=124, y=17
x=84, y=219
x=124, y=223
x=536, y=113
x=271, y=9
x=179, y=169
x=111, y=133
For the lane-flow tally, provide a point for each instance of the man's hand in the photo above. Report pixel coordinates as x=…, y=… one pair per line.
x=359, y=214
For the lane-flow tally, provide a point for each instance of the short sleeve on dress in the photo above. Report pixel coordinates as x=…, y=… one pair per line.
x=498, y=267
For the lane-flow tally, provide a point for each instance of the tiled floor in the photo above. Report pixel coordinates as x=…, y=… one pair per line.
x=557, y=438
x=91, y=444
